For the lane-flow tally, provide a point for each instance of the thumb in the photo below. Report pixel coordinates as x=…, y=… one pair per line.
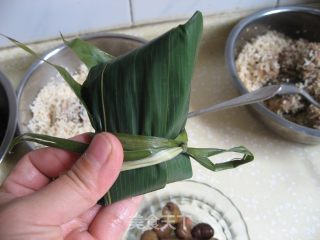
x=82, y=186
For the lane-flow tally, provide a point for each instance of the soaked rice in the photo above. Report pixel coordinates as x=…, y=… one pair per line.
x=57, y=111
x=274, y=58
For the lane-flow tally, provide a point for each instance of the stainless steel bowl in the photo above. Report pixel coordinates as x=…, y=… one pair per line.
x=294, y=21
x=40, y=73
x=8, y=114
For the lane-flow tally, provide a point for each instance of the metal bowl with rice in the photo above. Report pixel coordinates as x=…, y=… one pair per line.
x=294, y=22
x=46, y=104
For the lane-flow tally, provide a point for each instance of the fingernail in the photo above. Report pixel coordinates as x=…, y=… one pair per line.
x=100, y=149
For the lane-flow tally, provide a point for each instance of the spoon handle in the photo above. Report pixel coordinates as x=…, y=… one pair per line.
x=258, y=95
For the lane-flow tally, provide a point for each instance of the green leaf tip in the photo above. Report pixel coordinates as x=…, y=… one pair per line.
x=88, y=53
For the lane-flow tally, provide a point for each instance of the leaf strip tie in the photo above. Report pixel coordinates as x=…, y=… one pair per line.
x=201, y=155
x=159, y=157
x=150, y=151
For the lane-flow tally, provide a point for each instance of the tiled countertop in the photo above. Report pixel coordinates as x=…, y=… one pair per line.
x=279, y=193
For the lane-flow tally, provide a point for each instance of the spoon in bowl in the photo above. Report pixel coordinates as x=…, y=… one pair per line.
x=256, y=96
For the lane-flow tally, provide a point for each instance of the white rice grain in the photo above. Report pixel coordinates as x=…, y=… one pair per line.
x=56, y=110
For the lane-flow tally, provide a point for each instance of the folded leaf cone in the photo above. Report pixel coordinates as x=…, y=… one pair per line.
x=146, y=92
x=143, y=98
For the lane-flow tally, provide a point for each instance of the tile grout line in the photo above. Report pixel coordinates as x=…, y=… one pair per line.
x=131, y=12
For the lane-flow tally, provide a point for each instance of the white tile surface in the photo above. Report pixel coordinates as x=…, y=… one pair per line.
x=292, y=2
x=32, y=20
x=153, y=10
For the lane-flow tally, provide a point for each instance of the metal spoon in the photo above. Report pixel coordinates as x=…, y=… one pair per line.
x=256, y=96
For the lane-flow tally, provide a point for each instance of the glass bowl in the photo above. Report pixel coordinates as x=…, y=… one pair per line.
x=40, y=73
x=200, y=202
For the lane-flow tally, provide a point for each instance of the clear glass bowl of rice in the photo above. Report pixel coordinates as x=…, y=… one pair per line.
x=46, y=104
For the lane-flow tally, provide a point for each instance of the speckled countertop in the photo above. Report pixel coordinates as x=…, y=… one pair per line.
x=279, y=193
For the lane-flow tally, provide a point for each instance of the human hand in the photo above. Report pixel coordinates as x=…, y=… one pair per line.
x=34, y=207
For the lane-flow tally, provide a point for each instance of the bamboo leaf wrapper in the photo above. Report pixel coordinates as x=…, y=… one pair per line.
x=143, y=98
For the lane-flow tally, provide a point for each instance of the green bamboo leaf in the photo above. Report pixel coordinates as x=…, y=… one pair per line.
x=75, y=86
x=133, y=159
x=131, y=143
x=156, y=158
x=133, y=155
x=89, y=54
x=136, y=142
x=202, y=155
x=146, y=92
x=153, y=96
x=179, y=168
x=137, y=182
x=66, y=144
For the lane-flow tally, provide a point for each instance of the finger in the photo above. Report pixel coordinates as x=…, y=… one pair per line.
x=37, y=167
x=80, y=223
x=80, y=234
x=82, y=186
x=114, y=220
x=52, y=161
